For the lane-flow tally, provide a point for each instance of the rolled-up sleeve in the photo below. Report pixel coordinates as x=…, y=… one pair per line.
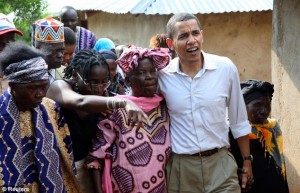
x=238, y=118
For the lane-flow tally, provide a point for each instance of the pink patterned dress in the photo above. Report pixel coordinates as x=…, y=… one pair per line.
x=138, y=157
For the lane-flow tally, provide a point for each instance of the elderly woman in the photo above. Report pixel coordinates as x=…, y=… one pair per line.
x=138, y=157
x=266, y=144
x=36, y=152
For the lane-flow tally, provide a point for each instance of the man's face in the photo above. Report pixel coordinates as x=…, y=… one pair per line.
x=187, y=41
x=54, y=53
x=70, y=19
x=29, y=95
x=6, y=38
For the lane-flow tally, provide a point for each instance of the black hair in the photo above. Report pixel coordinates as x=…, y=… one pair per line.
x=83, y=61
x=16, y=52
x=108, y=54
x=70, y=37
x=65, y=9
x=178, y=18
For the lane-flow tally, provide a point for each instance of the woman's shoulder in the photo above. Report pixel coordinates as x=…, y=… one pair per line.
x=62, y=84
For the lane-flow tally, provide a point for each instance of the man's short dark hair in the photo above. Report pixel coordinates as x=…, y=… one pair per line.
x=178, y=18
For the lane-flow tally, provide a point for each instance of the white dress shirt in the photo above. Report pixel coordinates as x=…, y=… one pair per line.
x=198, y=106
x=52, y=74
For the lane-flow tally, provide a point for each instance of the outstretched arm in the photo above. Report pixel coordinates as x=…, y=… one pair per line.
x=63, y=94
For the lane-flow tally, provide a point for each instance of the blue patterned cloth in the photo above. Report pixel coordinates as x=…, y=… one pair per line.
x=40, y=160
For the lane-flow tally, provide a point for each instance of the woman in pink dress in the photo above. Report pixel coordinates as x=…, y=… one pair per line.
x=135, y=160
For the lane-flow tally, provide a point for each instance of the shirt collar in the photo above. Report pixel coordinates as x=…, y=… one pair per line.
x=207, y=64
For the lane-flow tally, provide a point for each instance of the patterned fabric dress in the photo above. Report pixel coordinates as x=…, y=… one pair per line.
x=138, y=156
x=36, y=153
x=85, y=39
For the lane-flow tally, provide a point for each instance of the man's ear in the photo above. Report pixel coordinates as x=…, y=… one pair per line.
x=169, y=43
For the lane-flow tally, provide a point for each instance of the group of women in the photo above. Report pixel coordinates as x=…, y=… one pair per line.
x=134, y=153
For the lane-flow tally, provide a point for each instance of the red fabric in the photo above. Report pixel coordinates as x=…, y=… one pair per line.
x=106, y=178
x=145, y=103
x=128, y=61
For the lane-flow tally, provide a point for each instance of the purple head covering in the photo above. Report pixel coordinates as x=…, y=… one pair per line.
x=27, y=71
x=128, y=61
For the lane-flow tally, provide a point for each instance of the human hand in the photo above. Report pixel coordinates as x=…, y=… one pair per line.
x=245, y=176
x=136, y=116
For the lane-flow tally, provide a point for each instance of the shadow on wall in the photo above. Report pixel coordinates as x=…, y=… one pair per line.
x=295, y=179
x=285, y=76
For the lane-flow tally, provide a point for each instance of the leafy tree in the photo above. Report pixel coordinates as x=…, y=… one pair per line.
x=26, y=12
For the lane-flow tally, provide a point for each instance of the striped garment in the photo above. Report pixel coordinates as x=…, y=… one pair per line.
x=36, y=149
x=128, y=61
x=85, y=39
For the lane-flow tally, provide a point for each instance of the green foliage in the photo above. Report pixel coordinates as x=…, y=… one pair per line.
x=26, y=12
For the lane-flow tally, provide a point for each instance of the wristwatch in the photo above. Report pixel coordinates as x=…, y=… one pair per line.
x=249, y=157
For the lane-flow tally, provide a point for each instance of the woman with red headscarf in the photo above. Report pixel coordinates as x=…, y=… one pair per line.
x=135, y=160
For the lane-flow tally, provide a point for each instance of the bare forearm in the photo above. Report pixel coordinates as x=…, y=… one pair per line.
x=247, y=176
x=243, y=143
x=62, y=93
x=96, y=104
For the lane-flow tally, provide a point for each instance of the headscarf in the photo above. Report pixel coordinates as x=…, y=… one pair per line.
x=128, y=61
x=254, y=89
x=27, y=71
x=108, y=54
x=104, y=44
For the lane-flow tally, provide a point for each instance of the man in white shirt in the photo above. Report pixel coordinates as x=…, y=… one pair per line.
x=199, y=88
x=49, y=37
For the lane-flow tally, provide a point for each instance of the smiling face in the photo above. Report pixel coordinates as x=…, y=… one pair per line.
x=29, y=95
x=259, y=110
x=187, y=41
x=143, y=79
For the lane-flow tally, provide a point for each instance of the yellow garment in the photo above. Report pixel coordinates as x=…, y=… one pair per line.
x=270, y=136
